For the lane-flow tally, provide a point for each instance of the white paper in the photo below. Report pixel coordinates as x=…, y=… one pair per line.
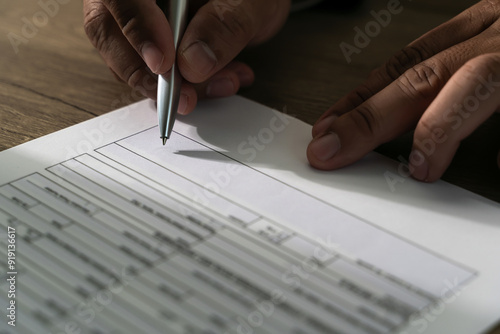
x=227, y=229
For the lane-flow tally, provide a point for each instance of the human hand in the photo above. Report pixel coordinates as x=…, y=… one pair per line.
x=443, y=85
x=134, y=38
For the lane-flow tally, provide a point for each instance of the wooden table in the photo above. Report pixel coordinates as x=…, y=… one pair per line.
x=54, y=78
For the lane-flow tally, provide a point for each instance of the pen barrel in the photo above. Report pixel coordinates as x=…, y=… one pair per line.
x=169, y=84
x=169, y=89
x=177, y=18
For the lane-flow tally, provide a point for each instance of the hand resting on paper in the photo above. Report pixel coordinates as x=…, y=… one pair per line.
x=443, y=86
x=134, y=38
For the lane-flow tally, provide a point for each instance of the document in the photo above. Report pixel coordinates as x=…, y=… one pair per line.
x=227, y=229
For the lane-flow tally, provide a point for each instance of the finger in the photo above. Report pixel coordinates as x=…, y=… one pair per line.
x=221, y=29
x=145, y=27
x=464, y=26
x=188, y=98
x=459, y=29
x=116, y=51
x=470, y=97
x=226, y=82
x=391, y=112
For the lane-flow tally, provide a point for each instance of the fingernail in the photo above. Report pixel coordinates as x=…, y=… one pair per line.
x=220, y=88
x=323, y=125
x=419, y=166
x=152, y=56
x=183, y=103
x=200, y=57
x=325, y=147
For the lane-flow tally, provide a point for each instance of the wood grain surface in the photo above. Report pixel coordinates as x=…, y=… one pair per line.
x=54, y=78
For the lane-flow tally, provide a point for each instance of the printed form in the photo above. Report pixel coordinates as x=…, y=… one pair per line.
x=226, y=230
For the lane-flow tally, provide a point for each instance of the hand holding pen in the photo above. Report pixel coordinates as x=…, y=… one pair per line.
x=134, y=38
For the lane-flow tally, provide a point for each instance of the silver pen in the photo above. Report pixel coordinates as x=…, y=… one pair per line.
x=169, y=85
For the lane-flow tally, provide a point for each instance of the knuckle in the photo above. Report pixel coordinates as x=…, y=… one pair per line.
x=484, y=64
x=483, y=67
x=94, y=24
x=364, y=92
x=237, y=27
x=360, y=95
x=133, y=75
x=139, y=79
x=130, y=25
x=486, y=12
x=129, y=22
x=422, y=81
x=365, y=120
x=491, y=7
x=128, y=18
x=403, y=60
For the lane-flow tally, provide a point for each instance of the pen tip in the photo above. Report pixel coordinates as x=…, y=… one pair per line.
x=164, y=140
